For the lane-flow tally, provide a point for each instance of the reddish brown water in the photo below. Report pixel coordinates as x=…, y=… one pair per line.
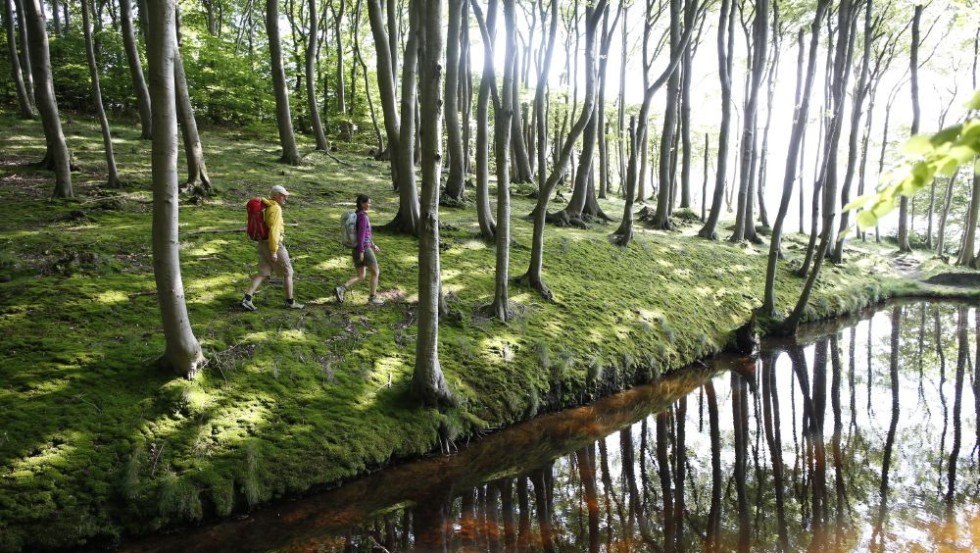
x=847, y=439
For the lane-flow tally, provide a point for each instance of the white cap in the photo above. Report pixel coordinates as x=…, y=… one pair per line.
x=279, y=189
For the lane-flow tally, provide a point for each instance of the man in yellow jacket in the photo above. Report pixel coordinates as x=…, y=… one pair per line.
x=273, y=256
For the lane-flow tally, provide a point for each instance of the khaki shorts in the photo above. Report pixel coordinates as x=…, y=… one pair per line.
x=369, y=258
x=282, y=266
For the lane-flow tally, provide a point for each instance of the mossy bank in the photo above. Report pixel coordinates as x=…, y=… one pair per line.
x=97, y=443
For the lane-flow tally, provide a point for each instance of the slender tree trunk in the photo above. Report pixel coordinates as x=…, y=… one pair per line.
x=428, y=383
x=385, y=76
x=624, y=234
x=287, y=138
x=947, y=202
x=112, y=180
x=198, y=181
x=860, y=93
x=23, y=99
x=533, y=275
x=312, y=54
x=744, y=219
x=338, y=8
x=47, y=104
x=484, y=214
x=770, y=93
x=903, y=214
x=668, y=138
x=726, y=49
x=364, y=72
x=540, y=113
x=713, y=532
x=135, y=69
x=454, y=130
x=183, y=352
x=407, y=220
x=968, y=255
x=502, y=135
x=842, y=65
x=25, y=50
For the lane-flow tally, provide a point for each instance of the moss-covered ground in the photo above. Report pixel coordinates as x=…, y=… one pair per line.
x=96, y=442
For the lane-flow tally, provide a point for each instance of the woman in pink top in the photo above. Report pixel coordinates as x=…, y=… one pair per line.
x=363, y=254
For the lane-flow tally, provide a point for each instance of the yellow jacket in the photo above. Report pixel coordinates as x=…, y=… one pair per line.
x=273, y=219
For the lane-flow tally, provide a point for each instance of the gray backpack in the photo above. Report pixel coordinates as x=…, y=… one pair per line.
x=348, y=229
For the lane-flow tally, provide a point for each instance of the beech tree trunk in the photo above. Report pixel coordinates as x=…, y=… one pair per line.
x=112, y=180
x=454, y=130
x=842, y=67
x=385, y=76
x=803, y=93
x=47, y=104
x=183, y=352
x=135, y=69
x=428, y=383
x=312, y=53
x=198, y=181
x=502, y=136
x=284, y=120
x=726, y=50
x=407, y=221
x=744, y=219
x=668, y=136
x=968, y=254
x=23, y=99
x=25, y=50
x=484, y=214
x=903, y=213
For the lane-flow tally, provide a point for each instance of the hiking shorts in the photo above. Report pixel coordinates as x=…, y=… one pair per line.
x=369, y=258
x=282, y=266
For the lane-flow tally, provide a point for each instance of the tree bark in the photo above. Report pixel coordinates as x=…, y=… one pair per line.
x=903, y=214
x=726, y=49
x=183, y=352
x=407, y=221
x=968, y=256
x=136, y=70
x=454, y=131
x=533, y=275
x=198, y=181
x=668, y=136
x=338, y=18
x=744, y=219
x=23, y=99
x=290, y=155
x=941, y=233
x=502, y=135
x=860, y=93
x=385, y=76
x=25, y=50
x=112, y=180
x=312, y=54
x=842, y=66
x=428, y=383
x=47, y=104
x=484, y=214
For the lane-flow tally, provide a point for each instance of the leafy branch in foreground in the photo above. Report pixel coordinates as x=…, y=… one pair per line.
x=941, y=154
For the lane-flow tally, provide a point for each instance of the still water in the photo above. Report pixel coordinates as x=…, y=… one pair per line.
x=853, y=437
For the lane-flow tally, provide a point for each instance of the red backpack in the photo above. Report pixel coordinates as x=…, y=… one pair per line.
x=255, y=227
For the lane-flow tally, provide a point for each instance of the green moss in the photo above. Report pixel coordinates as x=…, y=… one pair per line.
x=91, y=429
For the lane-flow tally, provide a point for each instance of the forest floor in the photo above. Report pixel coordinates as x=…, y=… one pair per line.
x=97, y=443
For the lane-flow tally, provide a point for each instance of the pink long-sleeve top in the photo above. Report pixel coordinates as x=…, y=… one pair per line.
x=364, y=236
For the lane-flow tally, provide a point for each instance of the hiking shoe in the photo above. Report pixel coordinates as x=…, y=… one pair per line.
x=248, y=305
x=375, y=300
x=339, y=292
x=295, y=305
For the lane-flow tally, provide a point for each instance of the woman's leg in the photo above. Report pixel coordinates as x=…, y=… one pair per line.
x=359, y=276
x=375, y=272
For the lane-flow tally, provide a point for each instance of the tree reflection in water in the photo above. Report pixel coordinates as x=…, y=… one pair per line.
x=643, y=472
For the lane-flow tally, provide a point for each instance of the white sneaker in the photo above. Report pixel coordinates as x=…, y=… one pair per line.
x=339, y=292
x=295, y=305
x=248, y=305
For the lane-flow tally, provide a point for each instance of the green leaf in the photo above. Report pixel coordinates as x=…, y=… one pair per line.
x=974, y=102
x=946, y=136
x=917, y=145
x=948, y=167
x=866, y=219
x=859, y=202
x=962, y=154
